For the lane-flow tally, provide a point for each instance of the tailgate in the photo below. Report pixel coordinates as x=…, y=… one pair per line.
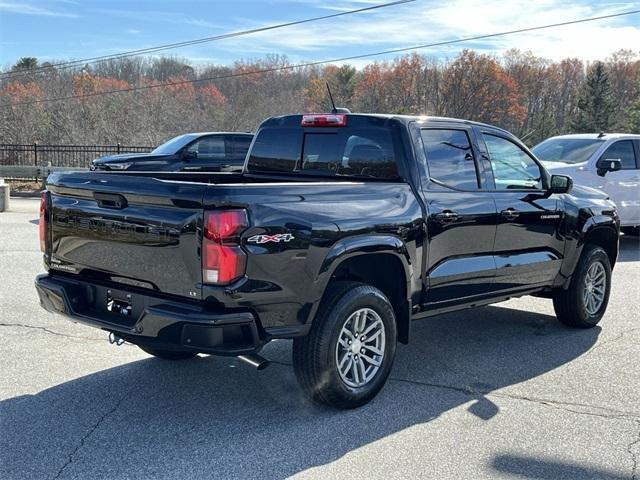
x=133, y=230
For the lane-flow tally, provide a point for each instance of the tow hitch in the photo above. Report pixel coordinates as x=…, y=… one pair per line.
x=115, y=339
x=114, y=305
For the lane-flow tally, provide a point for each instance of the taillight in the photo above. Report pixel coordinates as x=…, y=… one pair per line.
x=324, y=120
x=42, y=222
x=222, y=258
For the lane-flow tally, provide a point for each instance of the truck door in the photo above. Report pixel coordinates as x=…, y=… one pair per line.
x=624, y=185
x=461, y=217
x=529, y=246
x=206, y=154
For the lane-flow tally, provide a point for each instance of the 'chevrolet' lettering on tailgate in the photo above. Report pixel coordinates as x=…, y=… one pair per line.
x=151, y=233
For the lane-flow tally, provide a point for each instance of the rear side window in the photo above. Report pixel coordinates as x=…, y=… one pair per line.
x=239, y=146
x=276, y=150
x=341, y=151
x=623, y=151
x=450, y=158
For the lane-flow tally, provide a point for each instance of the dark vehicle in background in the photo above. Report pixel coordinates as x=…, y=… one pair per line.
x=196, y=152
x=341, y=230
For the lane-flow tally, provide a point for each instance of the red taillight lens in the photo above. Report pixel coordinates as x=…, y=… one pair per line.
x=324, y=120
x=42, y=222
x=222, y=258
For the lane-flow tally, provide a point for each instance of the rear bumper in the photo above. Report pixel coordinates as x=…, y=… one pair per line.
x=149, y=320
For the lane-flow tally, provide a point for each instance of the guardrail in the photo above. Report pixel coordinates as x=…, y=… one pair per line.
x=61, y=155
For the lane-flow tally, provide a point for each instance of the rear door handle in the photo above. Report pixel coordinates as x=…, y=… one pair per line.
x=510, y=214
x=446, y=217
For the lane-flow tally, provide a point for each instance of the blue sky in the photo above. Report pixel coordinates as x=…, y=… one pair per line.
x=72, y=29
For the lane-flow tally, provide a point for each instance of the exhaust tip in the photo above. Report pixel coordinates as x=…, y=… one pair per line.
x=256, y=361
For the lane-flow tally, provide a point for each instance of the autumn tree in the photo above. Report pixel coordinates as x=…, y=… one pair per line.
x=623, y=68
x=476, y=87
x=596, y=103
x=22, y=123
x=532, y=96
x=341, y=80
x=371, y=93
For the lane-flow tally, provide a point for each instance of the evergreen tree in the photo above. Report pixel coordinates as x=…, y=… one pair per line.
x=632, y=114
x=596, y=102
x=25, y=63
x=634, y=117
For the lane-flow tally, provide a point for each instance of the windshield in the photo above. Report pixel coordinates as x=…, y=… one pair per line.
x=173, y=145
x=567, y=150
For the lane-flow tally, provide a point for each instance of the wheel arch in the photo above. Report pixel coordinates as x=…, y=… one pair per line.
x=603, y=232
x=604, y=236
x=380, y=261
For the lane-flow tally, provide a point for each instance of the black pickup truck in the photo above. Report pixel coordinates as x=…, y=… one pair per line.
x=191, y=152
x=341, y=230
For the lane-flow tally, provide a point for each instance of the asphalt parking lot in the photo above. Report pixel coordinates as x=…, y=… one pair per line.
x=499, y=392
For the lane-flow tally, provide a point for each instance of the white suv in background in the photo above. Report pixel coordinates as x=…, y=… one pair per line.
x=607, y=161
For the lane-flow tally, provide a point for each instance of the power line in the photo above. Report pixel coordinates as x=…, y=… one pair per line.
x=131, y=53
x=320, y=62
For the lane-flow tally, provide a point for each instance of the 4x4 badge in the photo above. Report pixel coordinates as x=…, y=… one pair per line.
x=277, y=238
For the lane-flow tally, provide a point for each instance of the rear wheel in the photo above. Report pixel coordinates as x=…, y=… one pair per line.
x=583, y=304
x=631, y=231
x=347, y=356
x=168, y=354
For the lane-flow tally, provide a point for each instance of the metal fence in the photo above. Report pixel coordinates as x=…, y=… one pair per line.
x=61, y=155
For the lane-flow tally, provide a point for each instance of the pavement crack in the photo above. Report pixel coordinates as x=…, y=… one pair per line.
x=90, y=432
x=51, y=332
x=566, y=406
x=615, y=339
x=634, y=455
x=44, y=329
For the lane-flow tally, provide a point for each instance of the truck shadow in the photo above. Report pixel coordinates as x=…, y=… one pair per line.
x=216, y=418
x=539, y=469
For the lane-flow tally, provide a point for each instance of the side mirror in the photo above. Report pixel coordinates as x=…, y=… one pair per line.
x=605, y=165
x=189, y=155
x=560, y=184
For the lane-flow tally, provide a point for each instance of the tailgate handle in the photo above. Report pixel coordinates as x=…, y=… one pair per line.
x=110, y=200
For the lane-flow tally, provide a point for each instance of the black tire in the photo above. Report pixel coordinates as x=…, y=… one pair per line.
x=630, y=231
x=168, y=354
x=314, y=356
x=569, y=304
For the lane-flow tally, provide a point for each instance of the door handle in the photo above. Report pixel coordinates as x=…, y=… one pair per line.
x=510, y=214
x=446, y=217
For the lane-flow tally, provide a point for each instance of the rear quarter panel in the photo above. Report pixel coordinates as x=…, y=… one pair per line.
x=328, y=222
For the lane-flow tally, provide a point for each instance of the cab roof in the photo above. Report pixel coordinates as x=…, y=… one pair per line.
x=402, y=118
x=599, y=136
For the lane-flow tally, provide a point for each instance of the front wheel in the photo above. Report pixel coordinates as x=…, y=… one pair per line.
x=583, y=304
x=346, y=358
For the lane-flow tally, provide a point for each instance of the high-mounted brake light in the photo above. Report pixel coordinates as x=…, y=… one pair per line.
x=324, y=120
x=42, y=222
x=222, y=258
